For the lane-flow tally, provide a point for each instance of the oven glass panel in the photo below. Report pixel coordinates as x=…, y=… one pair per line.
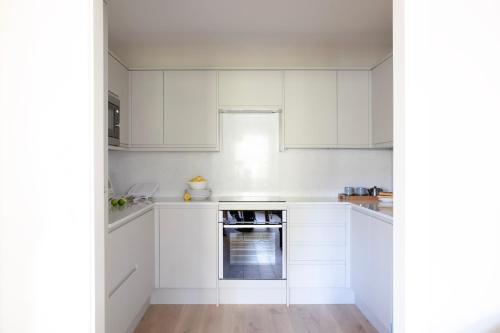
x=252, y=216
x=252, y=245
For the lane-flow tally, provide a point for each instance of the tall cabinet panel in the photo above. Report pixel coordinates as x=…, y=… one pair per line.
x=118, y=84
x=310, y=109
x=354, y=108
x=147, y=108
x=382, y=104
x=190, y=108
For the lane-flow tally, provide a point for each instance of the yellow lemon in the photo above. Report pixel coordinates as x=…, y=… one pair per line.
x=187, y=196
x=198, y=179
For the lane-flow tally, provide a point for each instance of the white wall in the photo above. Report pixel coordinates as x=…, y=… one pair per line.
x=250, y=163
x=447, y=148
x=50, y=105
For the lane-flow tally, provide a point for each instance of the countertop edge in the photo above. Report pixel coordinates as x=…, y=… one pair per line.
x=293, y=202
x=378, y=215
x=118, y=223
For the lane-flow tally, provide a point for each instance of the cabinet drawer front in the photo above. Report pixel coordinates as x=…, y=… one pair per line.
x=128, y=246
x=126, y=303
x=317, y=253
x=317, y=276
x=331, y=234
x=327, y=215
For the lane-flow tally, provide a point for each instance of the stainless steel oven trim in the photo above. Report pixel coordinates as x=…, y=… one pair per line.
x=284, y=252
x=221, y=251
x=252, y=226
x=282, y=225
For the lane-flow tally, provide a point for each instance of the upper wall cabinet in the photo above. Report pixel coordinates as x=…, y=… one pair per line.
x=353, y=108
x=246, y=89
x=147, y=108
x=118, y=84
x=190, y=108
x=174, y=110
x=382, y=104
x=310, y=113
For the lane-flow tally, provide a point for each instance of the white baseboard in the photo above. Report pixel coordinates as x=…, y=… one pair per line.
x=321, y=296
x=252, y=292
x=379, y=326
x=139, y=316
x=184, y=296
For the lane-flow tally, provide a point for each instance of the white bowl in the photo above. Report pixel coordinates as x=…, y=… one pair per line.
x=197, y=185
x=199, y=198
x=205, y=192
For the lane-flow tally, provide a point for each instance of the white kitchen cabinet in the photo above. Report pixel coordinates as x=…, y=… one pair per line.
x=118, y=83
x=371, y=268
x=248, y=88
x=188, y=248
x=353, y=108
x=318, y=260
x=147, y=108
x=382, y=104
x=310, y=112
x=190, y=109
x=130, y=272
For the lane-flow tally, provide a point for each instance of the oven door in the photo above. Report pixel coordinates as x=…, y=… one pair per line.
x=252, y=252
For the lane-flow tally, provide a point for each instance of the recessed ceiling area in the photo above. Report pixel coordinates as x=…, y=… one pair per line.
x=259, y=33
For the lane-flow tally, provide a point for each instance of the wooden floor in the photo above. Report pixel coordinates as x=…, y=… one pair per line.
x=254, y=318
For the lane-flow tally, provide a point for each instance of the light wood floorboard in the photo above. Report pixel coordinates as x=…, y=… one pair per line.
x=163, y=318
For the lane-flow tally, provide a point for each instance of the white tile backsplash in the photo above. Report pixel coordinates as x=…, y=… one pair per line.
x=250, y=163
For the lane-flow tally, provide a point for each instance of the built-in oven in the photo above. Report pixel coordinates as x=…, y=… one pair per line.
x=113, y=119
x=252, y=244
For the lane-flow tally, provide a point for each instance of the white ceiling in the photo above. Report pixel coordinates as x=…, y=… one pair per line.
x=250, y=33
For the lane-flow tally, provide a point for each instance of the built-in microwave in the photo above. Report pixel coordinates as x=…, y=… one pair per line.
x=113, y=119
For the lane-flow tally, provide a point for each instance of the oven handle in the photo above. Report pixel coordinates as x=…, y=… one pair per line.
x=252, y=226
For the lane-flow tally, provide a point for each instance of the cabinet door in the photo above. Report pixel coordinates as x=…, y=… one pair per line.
x=250, y=88
x=382, y=103
x=188, y=248
x=147, y=108
x=380, y=298
x=310, y=109
x=360, y=254
x=191, y=108
x=354, y=108
x=371, y=268
x=118, y=83
x=130, y=271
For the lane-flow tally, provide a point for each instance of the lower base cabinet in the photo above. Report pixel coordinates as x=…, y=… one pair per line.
x=371, y=268
x=130, y=272
x=187, y=254
x=318, y=254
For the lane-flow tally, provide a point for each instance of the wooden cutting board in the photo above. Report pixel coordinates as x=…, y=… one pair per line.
x=361, y=199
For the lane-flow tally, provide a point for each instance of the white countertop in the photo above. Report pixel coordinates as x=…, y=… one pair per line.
x=121, y=215
x=381, y=212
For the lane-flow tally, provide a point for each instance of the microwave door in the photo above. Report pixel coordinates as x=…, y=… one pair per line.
x=111, y=120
